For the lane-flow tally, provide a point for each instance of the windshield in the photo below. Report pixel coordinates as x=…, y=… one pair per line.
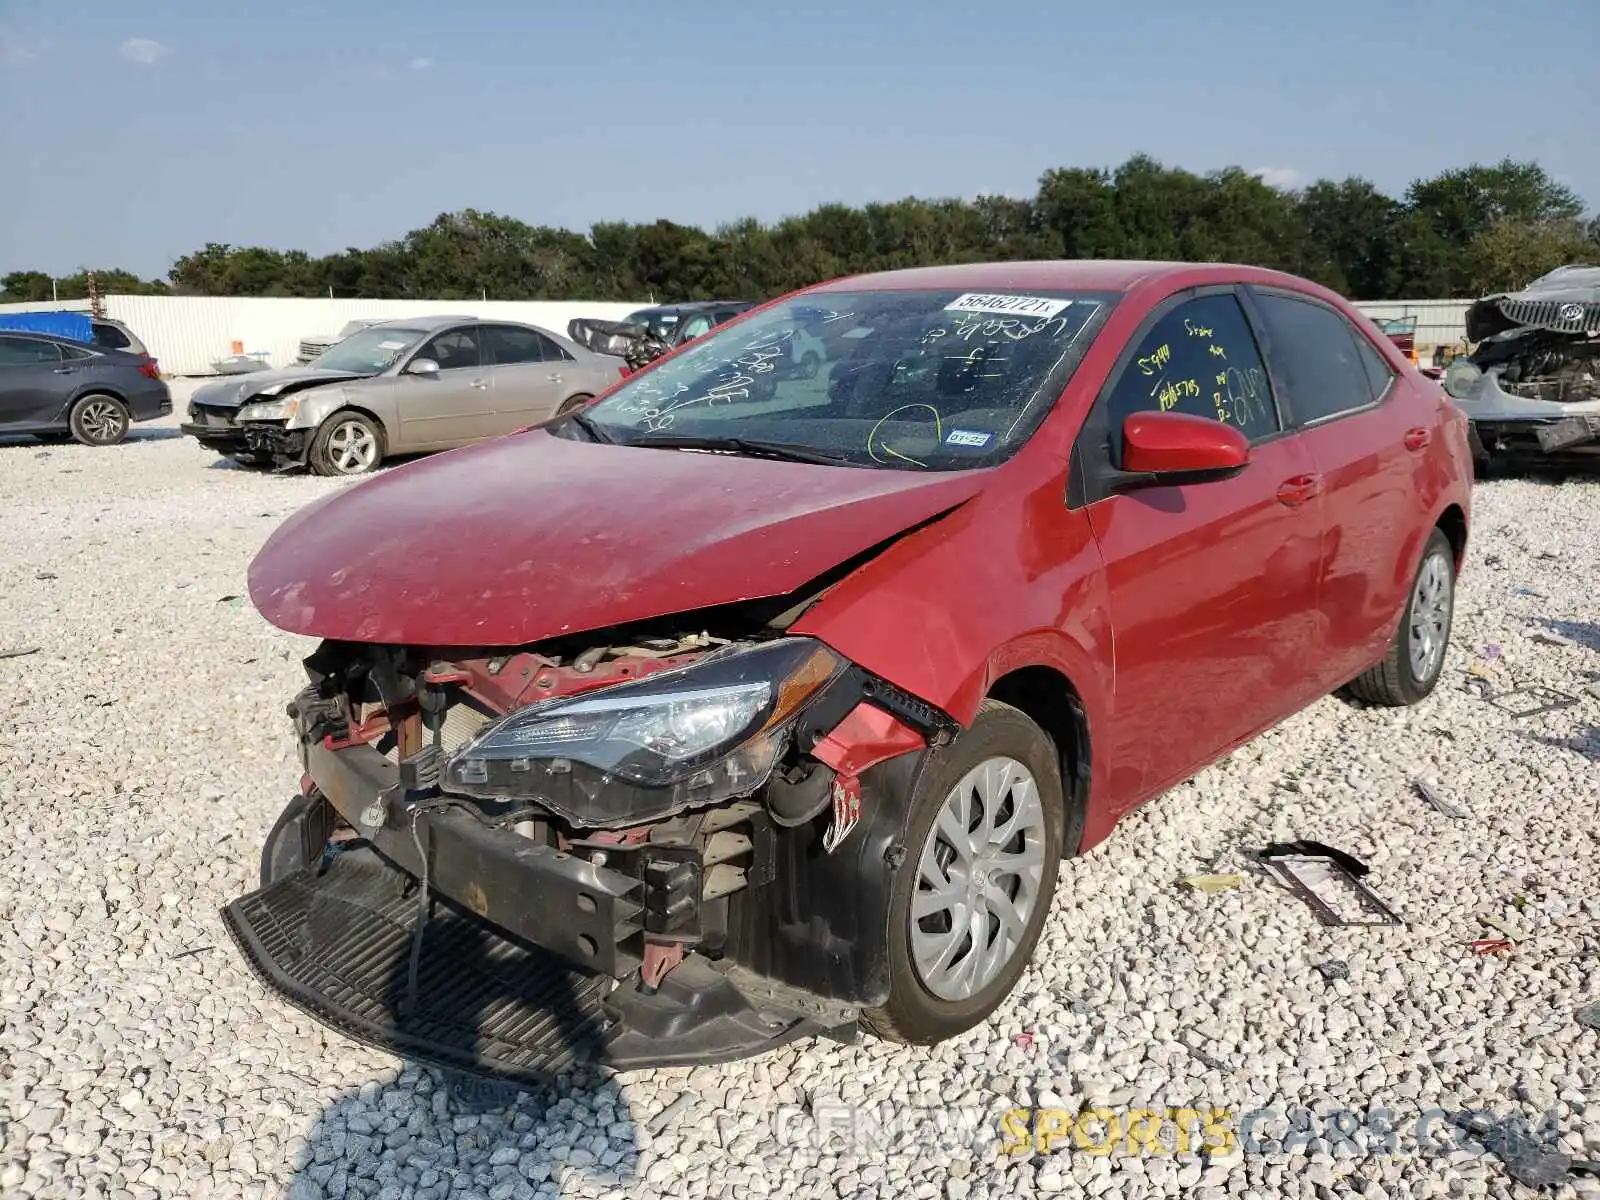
x=658, y=321
x=916, y=380
x=368, y=351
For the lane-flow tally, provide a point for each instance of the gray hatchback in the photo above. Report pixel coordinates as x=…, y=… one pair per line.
x=56, y=389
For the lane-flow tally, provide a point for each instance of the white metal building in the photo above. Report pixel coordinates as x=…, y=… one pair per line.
x=187, y=334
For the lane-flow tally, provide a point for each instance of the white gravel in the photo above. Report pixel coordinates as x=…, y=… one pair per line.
x=144, y=753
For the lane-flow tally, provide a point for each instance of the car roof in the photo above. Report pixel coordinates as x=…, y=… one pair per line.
x=1085, y=275
x=438, y=322
x=693, y=306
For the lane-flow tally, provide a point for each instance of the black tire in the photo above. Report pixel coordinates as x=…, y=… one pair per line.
x=913, y=1012
x=98, y=419
x=1395, y=682
x=573, y=403
x=327, y=457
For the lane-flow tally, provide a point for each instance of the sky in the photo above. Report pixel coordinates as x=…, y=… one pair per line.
x=151, y=129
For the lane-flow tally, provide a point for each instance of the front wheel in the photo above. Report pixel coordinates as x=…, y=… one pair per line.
x=1411, y=668
x=984, y=837
x=573, y=404
x=348, y=443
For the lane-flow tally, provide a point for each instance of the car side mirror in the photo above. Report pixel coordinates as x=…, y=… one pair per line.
x=422, y=366
x=1165, y=448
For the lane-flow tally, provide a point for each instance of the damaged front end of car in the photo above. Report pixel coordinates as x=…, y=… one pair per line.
x=1531, y=387
x=652, y=846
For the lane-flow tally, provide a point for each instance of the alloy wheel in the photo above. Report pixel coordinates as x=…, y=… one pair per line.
x=1431, y=602
x=102, y=420
x=352, y=448
x=978, y=879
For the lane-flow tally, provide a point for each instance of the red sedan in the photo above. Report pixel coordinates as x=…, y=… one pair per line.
x=755, y=702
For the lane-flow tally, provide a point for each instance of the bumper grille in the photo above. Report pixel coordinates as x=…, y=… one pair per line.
x=1564, y=316
x=338, y=946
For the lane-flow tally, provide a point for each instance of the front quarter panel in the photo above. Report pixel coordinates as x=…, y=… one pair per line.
x=1011, y=579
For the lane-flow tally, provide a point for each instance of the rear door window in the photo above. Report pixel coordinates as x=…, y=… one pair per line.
x=1315, y=357
x=1199, y=358
x=1379, y=373
x=506, y=344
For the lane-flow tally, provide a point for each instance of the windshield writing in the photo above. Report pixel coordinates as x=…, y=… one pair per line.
x=907, y=380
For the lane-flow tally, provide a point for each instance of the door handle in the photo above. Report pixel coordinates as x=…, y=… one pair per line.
x=1418, y=438
x=1298, y=489
x=481, y=384
x=64, y=370
x=554, y=378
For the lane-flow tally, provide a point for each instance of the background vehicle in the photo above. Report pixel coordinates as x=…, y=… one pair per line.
x=78, y=327
x=675, y=324
x=320, y=343
x=651, y=332
x=398, y=387
x=56, y=388
x=1531, y=385
x=809, y=688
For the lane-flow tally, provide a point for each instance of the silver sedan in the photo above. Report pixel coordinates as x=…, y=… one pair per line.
x=401, y=387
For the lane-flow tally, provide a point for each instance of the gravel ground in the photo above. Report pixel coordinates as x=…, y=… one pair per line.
x=145, y=753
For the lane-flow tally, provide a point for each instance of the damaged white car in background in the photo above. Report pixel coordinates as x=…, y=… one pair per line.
x=1532, y=386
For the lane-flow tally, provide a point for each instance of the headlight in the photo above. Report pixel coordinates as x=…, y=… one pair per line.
x=638, y=751
x=271, y=410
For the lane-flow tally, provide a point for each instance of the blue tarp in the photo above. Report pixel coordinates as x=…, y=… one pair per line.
x=61, y=324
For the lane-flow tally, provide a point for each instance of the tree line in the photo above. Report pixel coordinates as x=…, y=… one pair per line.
x=1463, y=232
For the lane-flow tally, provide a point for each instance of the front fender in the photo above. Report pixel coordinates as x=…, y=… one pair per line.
x=1012, y=579
x=317, y=405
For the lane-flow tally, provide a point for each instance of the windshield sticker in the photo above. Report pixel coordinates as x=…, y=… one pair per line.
x=968, y=437
x=391, y=345
x=1018, y=306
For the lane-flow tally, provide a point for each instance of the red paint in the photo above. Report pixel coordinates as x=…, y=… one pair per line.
x=866, y=737
x=1186, y=617
x=1172, y=441
x=531, y=536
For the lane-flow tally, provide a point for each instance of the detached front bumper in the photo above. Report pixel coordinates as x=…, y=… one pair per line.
x=527, y=962
x=224, y=439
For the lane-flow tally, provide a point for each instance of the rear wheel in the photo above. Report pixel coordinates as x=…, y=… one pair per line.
x=984, y=840
x=1411, y=669
x=348, y=443
x=573, y=403
x=98, y=420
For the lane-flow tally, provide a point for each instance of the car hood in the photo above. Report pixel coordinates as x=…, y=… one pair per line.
x=1567, y=300
x=533, y=536
x=231, y=393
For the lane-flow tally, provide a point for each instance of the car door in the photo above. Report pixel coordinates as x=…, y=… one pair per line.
x=453, y=406
x=1211, y=586
x=1359, y=424
x=531, y=375
x=35, y=383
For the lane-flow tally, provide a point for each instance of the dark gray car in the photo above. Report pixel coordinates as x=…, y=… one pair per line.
x=57, y=389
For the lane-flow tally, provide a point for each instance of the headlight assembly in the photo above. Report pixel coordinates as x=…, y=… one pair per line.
x=638, y=751
x=271, y=410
